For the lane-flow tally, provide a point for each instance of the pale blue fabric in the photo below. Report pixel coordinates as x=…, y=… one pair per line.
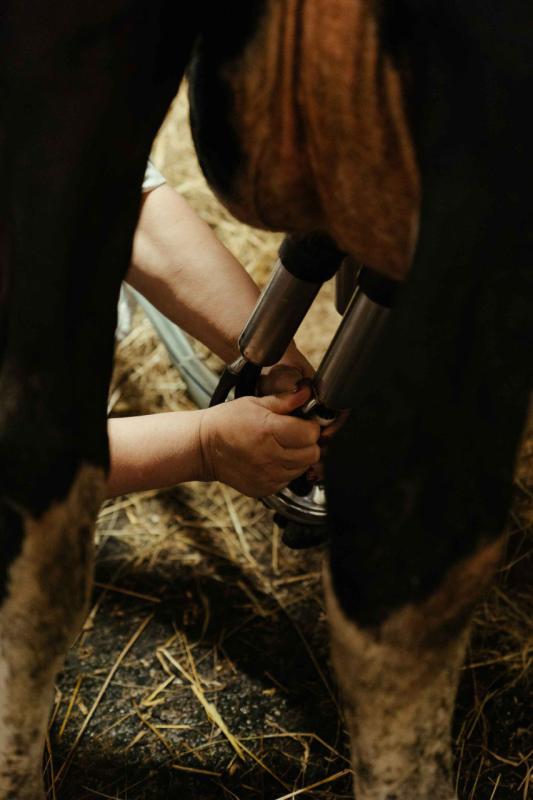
x=152, y=177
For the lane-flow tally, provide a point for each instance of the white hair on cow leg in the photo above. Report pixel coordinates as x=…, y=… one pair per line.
x=48, y=588
x=399, y=684
x=398, y=705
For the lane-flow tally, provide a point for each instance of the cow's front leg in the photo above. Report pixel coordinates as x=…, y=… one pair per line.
x=399, y=680
x=45, y=590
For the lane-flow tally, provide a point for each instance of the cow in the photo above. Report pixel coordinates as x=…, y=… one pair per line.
x=399, y=128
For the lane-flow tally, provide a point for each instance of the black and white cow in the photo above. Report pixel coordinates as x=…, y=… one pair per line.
x=401, y=128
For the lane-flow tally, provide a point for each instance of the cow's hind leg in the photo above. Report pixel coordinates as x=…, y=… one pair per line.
x=418, y=487
x=417, y=495
x=84, y=91
x=419, y=482
x=399, y=682
x=45, y=592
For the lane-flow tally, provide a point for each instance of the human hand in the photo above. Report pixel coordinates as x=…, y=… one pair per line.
x=253, y=445
x=316, y=471
x=286, y=374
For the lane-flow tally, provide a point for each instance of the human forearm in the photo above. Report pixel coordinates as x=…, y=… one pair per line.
x=154, y=451
x=181, y=267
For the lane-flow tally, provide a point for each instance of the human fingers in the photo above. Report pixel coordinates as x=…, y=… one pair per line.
x=283, y=404
x=293, y=433
x=330, y=430
x=316, y=472
x=281, y=378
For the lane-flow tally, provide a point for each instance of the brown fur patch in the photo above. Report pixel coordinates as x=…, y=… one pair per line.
x=447, y=611
x=399, y=684
x=320, y=114
x=48, y=591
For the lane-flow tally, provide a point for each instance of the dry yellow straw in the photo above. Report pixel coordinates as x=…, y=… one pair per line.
x=331, y=778
x=122, y=655
x=209, y=708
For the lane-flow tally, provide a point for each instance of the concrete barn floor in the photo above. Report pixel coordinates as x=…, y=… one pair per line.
x=202, y=671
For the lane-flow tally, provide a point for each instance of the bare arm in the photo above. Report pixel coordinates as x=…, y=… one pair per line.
x=251, y=444
x=181, y=267
x=154, y=451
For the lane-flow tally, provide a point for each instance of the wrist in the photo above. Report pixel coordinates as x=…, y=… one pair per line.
x=205, y=449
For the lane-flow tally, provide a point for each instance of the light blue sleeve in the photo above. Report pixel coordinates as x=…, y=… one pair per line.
x=152, y=178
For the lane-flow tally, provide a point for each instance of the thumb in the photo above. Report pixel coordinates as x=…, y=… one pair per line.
x=287, y=402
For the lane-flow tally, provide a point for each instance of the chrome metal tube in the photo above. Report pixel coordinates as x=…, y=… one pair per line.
x=345, y=283
x=277, y=316
x=337, y=376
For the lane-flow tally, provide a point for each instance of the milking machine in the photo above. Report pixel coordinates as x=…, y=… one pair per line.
x=364, y=298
